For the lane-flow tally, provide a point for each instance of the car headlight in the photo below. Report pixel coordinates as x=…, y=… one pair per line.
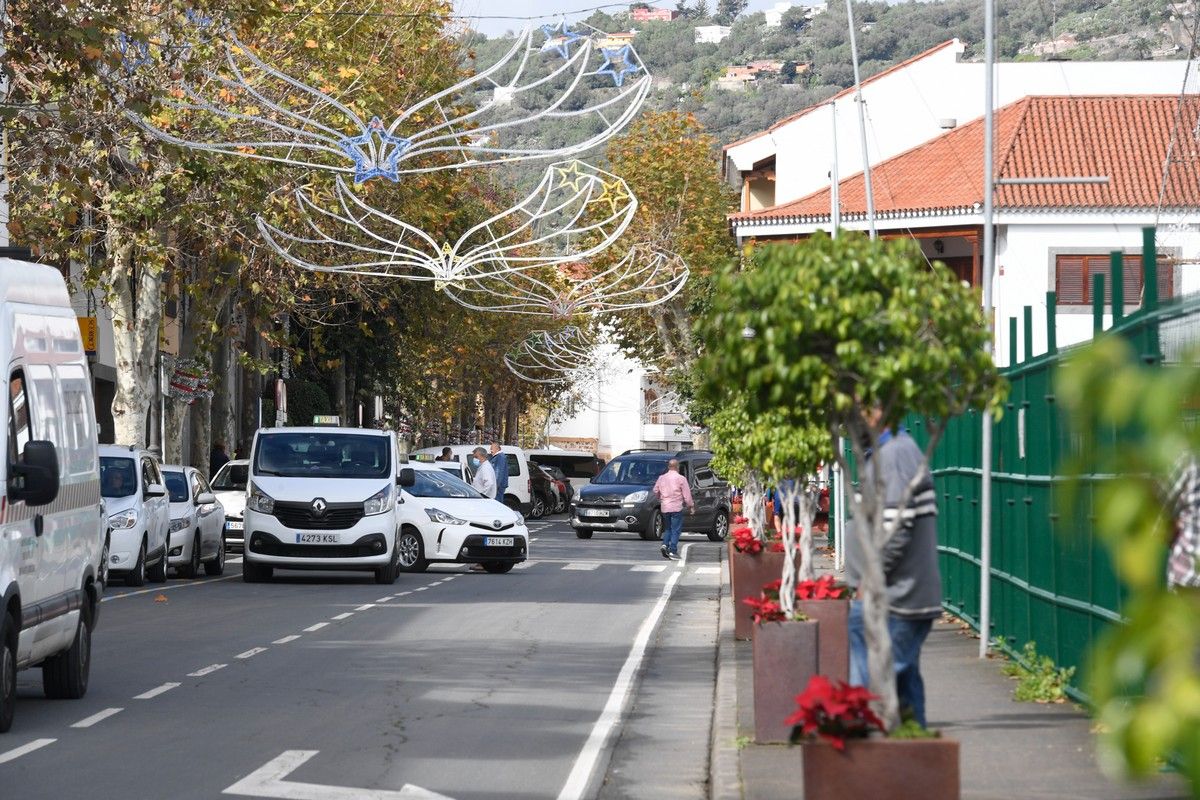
x=636, y=497
x=123, y=520
x=442, y=518
x=380, y=502
x=179, y=524
x=259, y=501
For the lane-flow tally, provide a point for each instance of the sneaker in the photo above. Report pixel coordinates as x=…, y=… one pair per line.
x=664, y=552
x=674, y=555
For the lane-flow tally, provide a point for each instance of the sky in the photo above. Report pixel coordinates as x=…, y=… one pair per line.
x=550, y=10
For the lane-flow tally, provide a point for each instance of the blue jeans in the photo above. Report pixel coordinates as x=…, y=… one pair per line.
x=672, y=529
x=908, y=635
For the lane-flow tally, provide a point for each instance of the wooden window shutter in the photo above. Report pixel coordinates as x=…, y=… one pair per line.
x=1070, y=280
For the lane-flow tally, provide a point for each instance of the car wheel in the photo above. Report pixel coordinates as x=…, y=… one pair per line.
x=65, y=676
x=411, y=551
x=137, y=575
x=583, y=533
x=8, y=671
x=216, y=566
x=720, y=528
x=498, y=567
x=654, y=530
x=102, y=572
x=537, y=507
x=561, y=506
x=387, y=575
x=158, y=573
x=192, y=568
x=255, y=573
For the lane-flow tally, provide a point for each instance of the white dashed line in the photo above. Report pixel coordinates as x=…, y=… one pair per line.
x=525, y=565
x=581, y=565
x=251, y=653
x=17, y=752
x=402, y=594
x=204, y=582
x=156, y=691
x=287, y=639
x=346, y=615
x=99, y=716
x=421, y=588
x=365, y=606
x=648, y=568
x=384, y=599
x=210, y=669
x=316, y=627
x=708, y=570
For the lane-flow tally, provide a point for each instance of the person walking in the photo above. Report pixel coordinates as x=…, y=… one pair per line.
x=485, y=476
x=217, y=458
x=910, y=567
x=499, y=463
x=673, y=494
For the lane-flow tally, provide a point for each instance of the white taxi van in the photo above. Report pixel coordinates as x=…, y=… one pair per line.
x=52, y=531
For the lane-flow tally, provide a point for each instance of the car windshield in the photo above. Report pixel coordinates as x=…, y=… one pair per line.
x=322, y=455
x=231, y=478
x=118, y=477
x=440, y=483
x=632, y=471
x=177, y=487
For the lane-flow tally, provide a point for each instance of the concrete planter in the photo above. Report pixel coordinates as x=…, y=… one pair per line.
x=833, y=650
x=882, y=769
x=748, y=574
x=785, y=659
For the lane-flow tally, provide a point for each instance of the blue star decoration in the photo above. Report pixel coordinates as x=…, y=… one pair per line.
x=134, y=53
x=358, y=149
x=559, y=38
x=618, y=62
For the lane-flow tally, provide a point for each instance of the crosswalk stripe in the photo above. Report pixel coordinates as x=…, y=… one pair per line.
x=582, y=565
x=648, y=568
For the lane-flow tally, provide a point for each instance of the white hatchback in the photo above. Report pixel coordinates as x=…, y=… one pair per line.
x=444, y=520
x=197, y=521
x=138, y=516
x=229, y=485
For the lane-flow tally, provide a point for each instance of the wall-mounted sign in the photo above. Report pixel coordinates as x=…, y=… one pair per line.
x=89, y=331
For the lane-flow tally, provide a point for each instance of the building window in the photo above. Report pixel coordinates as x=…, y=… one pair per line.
x=1073, y=279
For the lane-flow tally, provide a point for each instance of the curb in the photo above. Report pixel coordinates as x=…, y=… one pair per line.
x=724, y=767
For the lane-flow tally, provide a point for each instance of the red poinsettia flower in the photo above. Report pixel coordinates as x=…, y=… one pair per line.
x=765, y=609
x=823, y=588
x=835, y=712
x=744, y=541
x=740, y=520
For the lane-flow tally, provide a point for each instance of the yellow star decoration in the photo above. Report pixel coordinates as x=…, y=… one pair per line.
x=571, y=176
x=615, y=194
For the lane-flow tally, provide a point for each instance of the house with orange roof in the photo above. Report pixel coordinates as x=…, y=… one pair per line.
x=1130, y=161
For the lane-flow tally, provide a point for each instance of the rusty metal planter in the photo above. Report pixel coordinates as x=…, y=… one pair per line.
x=785, y=659
x=748, y=573
x=833, y=643
x=882, y=769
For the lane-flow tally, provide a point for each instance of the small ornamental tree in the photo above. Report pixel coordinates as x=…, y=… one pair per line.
x=835, y=330
x=734, y=459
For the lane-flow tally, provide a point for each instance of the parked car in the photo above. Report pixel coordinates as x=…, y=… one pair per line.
x=138, y=513
x=445, y=520
x=519, y=495
x=621, y=498
x=577, y=466
x=197, y=522
x=564, y=492
x=542, y=493
x=52, y=531
x=229, y=486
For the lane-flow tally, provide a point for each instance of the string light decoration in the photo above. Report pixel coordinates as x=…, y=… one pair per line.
x=644, y=277
x=575, y=212
x=566, y=356
x=552, y=80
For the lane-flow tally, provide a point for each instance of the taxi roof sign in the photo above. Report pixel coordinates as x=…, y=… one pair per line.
x=327, y=419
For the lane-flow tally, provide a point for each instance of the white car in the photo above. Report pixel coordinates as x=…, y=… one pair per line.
x=229, y=485
x=519, y=495
x=138, y=515
x=444, y=520
x=197, y=522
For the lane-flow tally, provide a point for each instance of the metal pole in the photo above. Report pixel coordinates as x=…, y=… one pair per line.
x=989, y=266
x=862, y=120
x=835, y=200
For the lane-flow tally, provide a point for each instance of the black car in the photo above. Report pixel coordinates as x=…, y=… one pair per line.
x=621, y=497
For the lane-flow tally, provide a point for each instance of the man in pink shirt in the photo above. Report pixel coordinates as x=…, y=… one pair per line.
x=673, y=494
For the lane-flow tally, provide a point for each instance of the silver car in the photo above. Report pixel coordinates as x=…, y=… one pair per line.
x=197, y=522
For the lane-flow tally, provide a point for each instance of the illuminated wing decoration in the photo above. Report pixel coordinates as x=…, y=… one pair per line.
x=553, y=357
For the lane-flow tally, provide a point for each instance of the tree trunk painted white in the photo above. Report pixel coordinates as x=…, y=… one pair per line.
x=135, y=337
x=787, y=587
x=808, y=510
x=752, y=506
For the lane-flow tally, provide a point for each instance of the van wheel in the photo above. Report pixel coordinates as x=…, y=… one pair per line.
x=192, y=568
x=720, y=528
x=387, y=575
x=255, y=573
x=65, y=676
x=8, y=671
x=158, y=573
x=216, y=566
x=137, y=575
x=583, y=533
x=410, y=551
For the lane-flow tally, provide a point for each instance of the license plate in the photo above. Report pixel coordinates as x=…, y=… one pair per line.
x=498, y=541
x=235, y=525
x=593, y=512
x=317, y=538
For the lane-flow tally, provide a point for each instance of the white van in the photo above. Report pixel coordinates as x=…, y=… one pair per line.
x=322, y=498
x=52, y=533
x=579, y=466
x=519, y=489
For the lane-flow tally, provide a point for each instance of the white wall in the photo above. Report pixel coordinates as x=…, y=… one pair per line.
x=611, y=408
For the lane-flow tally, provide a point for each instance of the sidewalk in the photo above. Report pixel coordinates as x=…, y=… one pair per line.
x=1009, y=749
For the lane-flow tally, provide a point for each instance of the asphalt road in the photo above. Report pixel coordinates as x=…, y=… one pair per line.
x=330, y=687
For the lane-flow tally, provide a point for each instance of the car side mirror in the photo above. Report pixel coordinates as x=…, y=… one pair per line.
x=205, y=499
x=35, y=479
x=407, y=477
x=155, y=490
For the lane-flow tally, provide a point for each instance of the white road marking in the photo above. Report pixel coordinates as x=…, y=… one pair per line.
x=287, y=639
x=420, y=588
x=384, y=599
x=582, y=565
x=99, y=716
x=17, y=752
x=203, y=582
x=251, y=653
x=268, y=781
x=648, y=568
x=525, y=565
x=365, y=606
x=210, y=669
x=316, y=627
x=618, y=700
x=708, y=570
x=534, y=539
x=156, y=691
x=402, y=594
x=346, y=615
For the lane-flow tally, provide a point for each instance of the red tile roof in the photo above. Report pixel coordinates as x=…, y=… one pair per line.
x=1122, y=137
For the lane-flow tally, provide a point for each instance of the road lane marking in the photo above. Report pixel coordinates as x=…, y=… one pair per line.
x=203, y=582
x=156, y=691
x=384, y=599
x=25, y=749
x=210, y=669
x=525, y=565
x=345, y=615
x=268, y=781
x=251, y=653
x=708, y=570
x=648, y=568
x=420, y=588
x=365, y=606
x=581, y=565
x=402, y=594
x=602, y=733
x=287, y=639
x=99, y=716
x=316, y=627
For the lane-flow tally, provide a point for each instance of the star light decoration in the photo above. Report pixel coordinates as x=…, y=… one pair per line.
x=370, y=160
x=559, y=39
x=619, y=62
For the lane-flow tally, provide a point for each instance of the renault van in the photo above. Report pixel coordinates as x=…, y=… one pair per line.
x=52, y=531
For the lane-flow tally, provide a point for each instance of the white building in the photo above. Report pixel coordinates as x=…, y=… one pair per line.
x=712, y=34
x=775, y=14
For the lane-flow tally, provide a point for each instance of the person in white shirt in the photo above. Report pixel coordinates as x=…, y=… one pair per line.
x=485, y=475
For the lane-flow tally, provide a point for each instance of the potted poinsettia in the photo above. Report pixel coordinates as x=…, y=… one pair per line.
x=785, y=658
x=826, y=601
